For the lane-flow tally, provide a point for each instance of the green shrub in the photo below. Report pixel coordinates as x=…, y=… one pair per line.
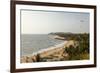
x=75, y=52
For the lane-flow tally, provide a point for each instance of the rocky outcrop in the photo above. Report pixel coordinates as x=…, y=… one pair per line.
x=29, y=59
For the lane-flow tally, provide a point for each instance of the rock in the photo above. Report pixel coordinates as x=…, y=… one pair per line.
x=24, y=59
x=34, y=58
x=29, y=60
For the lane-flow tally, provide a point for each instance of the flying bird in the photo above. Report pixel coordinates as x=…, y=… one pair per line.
x=81, y=20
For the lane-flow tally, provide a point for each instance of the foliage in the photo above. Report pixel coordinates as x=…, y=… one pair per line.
x=83, y=47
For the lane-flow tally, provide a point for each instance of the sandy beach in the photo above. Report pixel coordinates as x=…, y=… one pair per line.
x=52, y=48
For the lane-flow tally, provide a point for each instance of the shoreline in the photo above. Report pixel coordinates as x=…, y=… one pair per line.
x=54, y=53
x=51, y=48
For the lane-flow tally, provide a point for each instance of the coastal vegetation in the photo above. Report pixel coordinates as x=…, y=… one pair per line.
x=81, y=51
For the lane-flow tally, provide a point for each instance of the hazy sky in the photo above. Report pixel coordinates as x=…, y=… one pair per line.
x=43, y=22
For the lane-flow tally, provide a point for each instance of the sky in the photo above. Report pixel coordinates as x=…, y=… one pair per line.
x=44, y=22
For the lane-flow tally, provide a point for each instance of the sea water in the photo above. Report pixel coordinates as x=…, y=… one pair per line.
x=32, y=43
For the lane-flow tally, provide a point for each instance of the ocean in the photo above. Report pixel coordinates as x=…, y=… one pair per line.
x=33, y=43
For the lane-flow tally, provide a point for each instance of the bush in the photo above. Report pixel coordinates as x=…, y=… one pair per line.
x=75, y=52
